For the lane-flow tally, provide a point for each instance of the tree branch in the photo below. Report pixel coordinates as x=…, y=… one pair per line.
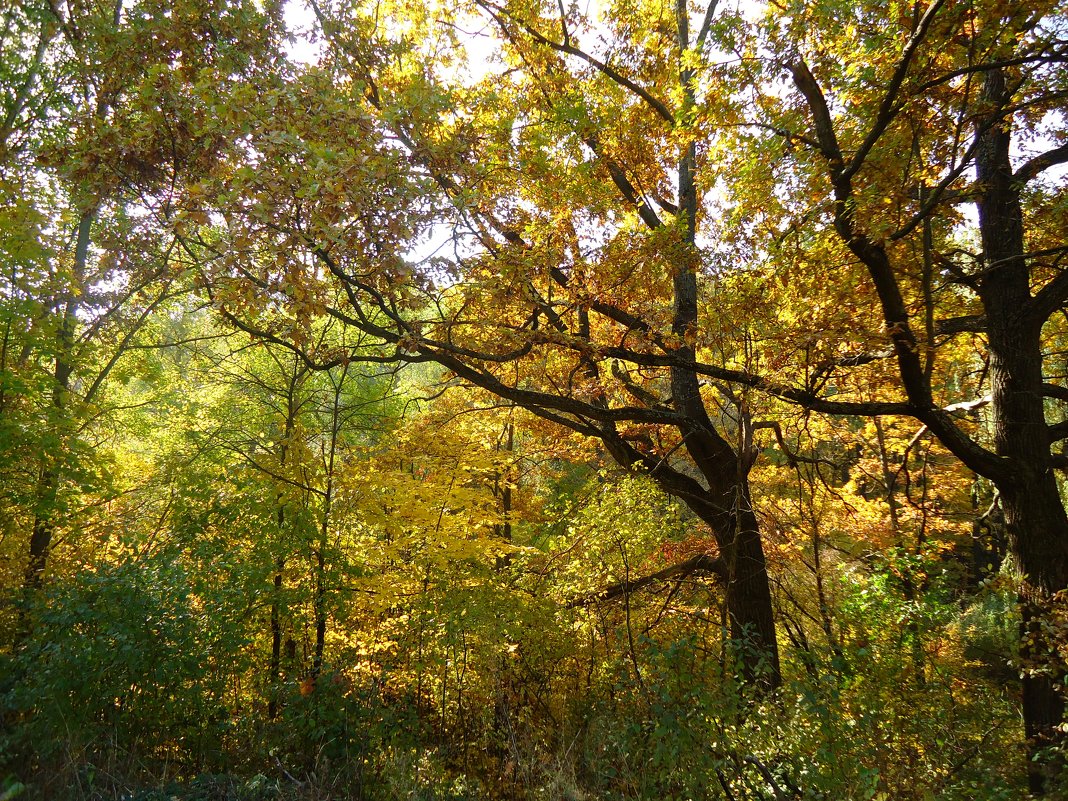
x=626, y=188
x=701, y=563
x=706, y=26
x=657, y=105
x=887, y=108
x=1048, y=299
x=1032, y=168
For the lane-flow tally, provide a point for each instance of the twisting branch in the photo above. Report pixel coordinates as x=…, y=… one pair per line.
x=792, y=458
x=1049, y=298
x=874, y=257
x=826, y=137
x=1035, y=166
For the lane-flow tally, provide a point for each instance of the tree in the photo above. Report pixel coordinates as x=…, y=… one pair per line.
x=948, y=91
x=627, y=264
x=571, y=295
x=99, y=132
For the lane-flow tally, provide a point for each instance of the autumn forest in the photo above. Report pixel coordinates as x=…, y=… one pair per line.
x=533, y=399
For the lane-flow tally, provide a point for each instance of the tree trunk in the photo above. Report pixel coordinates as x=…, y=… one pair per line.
x=1037, y=529
x=1035, y=518
x=47, y=492
x=320, y=590
x=43, y=526
x=730, y=511
x=274, y=669
x=747, y=589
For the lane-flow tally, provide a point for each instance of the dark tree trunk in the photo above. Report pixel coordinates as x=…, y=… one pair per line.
x=47, y=493
x=1021, y=465
x=1035, y=518
x=725, y=506
x=749, y=605
x=747, y=586
x=1037, y=529
x=730, y=511
x=43, y=527
x=320, y=608
x=274, y=669
x=44, y=515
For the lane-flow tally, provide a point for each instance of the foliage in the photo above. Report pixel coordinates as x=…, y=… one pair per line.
x=129, y=646
x=532, y=400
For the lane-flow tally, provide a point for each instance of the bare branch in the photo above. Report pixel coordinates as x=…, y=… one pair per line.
x=1049, y=298
x=626, y=188
x=1032, y=168
x=701, y=563
x=706, y=26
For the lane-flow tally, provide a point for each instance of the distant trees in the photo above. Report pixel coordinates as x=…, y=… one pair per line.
x=100, y=134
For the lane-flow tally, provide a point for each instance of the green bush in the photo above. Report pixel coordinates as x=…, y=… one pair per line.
x=126, y=670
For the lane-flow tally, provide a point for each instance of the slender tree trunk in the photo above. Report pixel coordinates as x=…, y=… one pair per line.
x=43, y=525
x=48, y=484
x=274, y=671
x=274, y=668
x=908, y=584
x=324, y=529
x=320, y=608
x=47, y=492
x=502, y=488
x=319, y=600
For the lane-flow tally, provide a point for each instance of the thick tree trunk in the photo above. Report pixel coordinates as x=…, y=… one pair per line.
x=1037, y=529
x=1035, y=518
x=725, y=506
x=749, y=605
x=747, y=586
x=1038, y=539
x=727, y=509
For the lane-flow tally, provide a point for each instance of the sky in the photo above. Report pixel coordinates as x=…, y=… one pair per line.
x=300, y=21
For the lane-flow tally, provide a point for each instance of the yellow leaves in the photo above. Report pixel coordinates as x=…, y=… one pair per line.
x=425, y=506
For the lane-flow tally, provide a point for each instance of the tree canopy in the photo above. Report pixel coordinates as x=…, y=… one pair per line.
x=631, y=399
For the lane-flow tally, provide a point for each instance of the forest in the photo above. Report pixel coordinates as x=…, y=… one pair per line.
x=558, y=400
